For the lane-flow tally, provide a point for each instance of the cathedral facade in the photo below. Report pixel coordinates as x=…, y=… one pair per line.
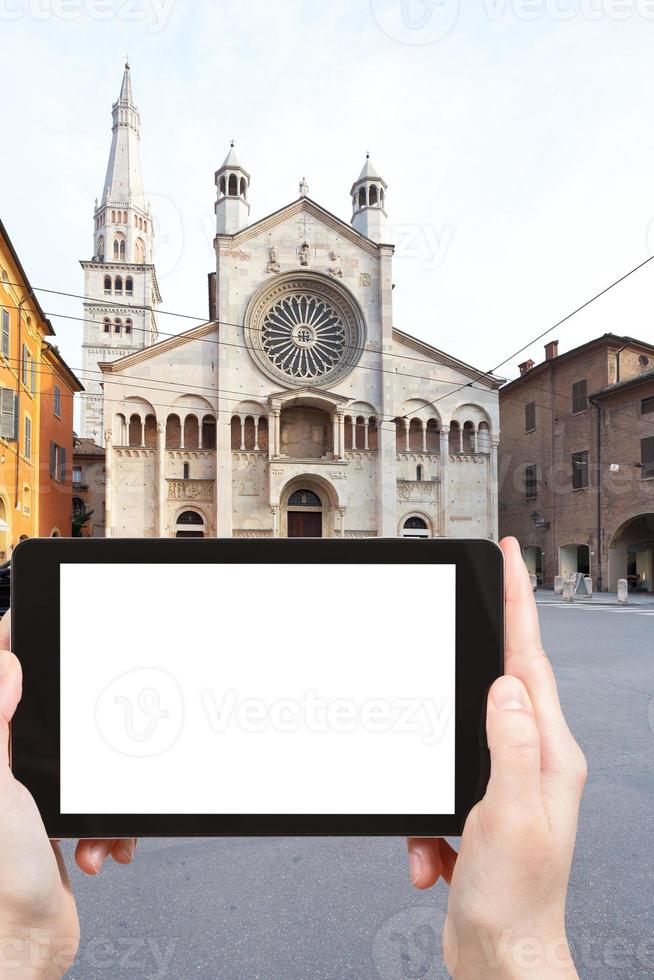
x=299, y=409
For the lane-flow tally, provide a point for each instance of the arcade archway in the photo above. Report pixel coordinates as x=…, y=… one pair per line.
x=631, y=554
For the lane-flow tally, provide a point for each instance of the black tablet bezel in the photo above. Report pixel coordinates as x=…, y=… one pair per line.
x=35, y=632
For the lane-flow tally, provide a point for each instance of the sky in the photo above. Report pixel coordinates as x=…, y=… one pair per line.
x=516, y=138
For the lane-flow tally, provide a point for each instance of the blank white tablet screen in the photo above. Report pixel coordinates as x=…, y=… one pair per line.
x=257, y=689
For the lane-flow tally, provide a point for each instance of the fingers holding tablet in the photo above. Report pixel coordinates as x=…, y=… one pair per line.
x=91, y=854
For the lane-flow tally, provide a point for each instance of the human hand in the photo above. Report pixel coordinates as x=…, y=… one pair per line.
x=506, y=907
x=39, y=929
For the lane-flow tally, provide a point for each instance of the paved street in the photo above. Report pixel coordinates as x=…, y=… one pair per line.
x=343, y=909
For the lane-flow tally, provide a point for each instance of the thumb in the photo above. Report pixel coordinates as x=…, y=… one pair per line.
x=10, y=691
x=514, y=744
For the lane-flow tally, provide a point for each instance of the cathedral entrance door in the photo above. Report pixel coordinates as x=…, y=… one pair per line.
x=304, y=524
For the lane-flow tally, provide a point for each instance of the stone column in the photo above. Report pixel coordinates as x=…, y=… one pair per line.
x=407, y=434
x=200, y=433
x=335, y=434
x=278, y=431
x=275, y=519
x=424, y=436
x=108, y=488
x=271, y=435
x=242, y=434
x=366, y=444
x=256, y=433
x=445, y=481
x=161, y=480
x=142, y=432
x=341, y=511
x=475, y=440
x=341, y=435
x=354, y=432
x=493, y=524
x=223, y=495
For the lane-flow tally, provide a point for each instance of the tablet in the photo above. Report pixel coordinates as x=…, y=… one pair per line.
x=255, y=686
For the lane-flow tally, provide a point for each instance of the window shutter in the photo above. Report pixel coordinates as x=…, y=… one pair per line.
x=62, y=464
x=7, y=414
x=579, y=396
x=530, y=416
x=53, y=460
x=33, y=376
x=5, y=332
x=647, y=456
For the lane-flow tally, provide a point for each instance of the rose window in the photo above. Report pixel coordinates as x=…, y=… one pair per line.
x=305, y=330
x=303, y=336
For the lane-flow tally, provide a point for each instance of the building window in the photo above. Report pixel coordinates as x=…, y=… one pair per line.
x=580, y=470
x=415, y=527
x=530, y=416
x=187, y=471
x=26, y=364
x=57, y=401
x=419, y=473
x=117, y=325
x=531, y=481
x=5, y=332
x=647, y=405
x=580, y=396
x=8, y=415
x=647, y=457
x=28, y=438
x=77, y=474
x=79, y=507
x=128, y=326
x=107, y=325
x=107, y=285
x=129, y=286
x=57, y=462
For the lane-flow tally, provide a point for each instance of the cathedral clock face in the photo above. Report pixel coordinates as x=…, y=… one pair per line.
x=305, y=332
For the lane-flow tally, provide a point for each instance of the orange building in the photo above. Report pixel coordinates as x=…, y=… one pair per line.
x=28, y=366
x=58, y=386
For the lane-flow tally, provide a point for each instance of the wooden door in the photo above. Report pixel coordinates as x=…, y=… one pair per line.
x=304, y=524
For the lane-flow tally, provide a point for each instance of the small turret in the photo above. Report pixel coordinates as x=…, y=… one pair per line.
x=368, y=203
x=232, y=207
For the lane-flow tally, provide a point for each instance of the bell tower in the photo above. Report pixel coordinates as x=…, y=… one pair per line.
x=368, y=204
x=121, y=294
x=232, y=184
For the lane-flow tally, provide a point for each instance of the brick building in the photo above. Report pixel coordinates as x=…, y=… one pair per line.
x=576, y=467
x=88, y=486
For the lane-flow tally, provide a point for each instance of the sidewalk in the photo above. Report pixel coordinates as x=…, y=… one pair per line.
x=546, y=597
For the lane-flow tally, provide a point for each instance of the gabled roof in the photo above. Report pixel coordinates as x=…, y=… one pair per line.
x=162, y=347
x=305, y=204
x=482, y=377
x=605, y=340
x=49, y=329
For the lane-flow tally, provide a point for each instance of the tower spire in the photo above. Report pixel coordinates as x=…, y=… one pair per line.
x=121, y=270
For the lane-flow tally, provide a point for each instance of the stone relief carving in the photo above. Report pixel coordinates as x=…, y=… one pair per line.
x=190, y=490
x=365, y=279
x=335, y=269
x=416, y=490
x=273, y=261
x=304, y=252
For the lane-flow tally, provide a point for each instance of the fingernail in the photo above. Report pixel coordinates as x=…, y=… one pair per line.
x=128, y=848
x=97, y=856
x=5, y=660
x=415, y=866
x=509, y=695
